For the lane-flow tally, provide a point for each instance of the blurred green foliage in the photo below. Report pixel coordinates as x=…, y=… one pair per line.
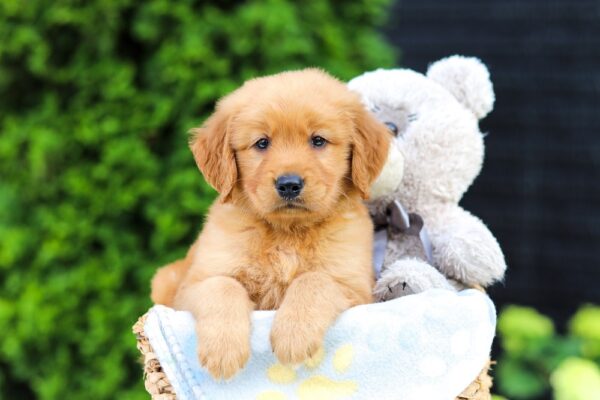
x=576, y=379
x=536, y=360
x=97, y=186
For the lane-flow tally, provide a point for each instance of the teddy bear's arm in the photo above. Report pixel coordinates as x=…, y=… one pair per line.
x=464, y=248
x=408, y=276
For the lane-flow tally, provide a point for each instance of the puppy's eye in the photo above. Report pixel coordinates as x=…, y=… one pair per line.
x=262, y=144
x=318, y=141
x=392, y=127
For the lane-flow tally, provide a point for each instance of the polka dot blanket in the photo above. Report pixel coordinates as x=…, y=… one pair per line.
x=430, y=346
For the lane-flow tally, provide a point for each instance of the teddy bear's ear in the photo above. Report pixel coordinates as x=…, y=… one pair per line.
x=468, y=80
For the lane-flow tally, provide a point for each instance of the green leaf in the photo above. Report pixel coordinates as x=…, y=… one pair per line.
x=520, y=326
x=519, y=381
x=576, y=379
x=585, y=325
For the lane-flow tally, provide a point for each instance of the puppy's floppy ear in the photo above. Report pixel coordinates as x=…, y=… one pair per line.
x=370, y=147
x=212, y=151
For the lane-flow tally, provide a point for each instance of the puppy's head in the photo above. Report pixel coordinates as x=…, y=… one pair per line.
x=291, y=145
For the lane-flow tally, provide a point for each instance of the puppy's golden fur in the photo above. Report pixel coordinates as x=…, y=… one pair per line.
x=309, y=258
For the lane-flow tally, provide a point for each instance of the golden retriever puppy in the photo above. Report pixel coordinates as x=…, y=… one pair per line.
x=292, y=156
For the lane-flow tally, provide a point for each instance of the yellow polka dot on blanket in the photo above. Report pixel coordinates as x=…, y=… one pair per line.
x=271, y=395
x=281, y=374
x=322, y=388
x=317, y=387
x=343, y=358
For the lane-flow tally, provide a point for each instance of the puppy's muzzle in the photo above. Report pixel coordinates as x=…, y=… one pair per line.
x=289, y=186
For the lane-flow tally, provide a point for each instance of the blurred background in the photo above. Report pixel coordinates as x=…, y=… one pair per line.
x=98, y=188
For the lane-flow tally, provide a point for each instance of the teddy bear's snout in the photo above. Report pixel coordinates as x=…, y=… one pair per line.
x=391, y=176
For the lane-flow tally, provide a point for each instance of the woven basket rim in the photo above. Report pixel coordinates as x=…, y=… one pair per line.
x=158, y=386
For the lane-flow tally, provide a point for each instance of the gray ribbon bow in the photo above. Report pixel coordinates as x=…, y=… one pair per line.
x=398, y=221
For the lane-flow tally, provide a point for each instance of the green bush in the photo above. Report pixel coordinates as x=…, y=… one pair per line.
x=536, y=360
x=97, y=186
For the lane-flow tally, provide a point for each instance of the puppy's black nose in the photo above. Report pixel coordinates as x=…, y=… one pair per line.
x=289, y=186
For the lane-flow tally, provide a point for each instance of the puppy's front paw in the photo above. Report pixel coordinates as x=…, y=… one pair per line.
x=294, y=341
x=223, y=352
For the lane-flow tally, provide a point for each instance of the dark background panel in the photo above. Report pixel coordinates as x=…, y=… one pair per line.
x=539, y=191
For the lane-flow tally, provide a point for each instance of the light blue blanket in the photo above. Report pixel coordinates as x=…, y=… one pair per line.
x=428, y=346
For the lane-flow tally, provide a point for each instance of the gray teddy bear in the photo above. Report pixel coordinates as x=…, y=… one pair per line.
x=426, y=239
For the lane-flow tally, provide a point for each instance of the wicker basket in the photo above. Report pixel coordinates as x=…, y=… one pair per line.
x=159, y=387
